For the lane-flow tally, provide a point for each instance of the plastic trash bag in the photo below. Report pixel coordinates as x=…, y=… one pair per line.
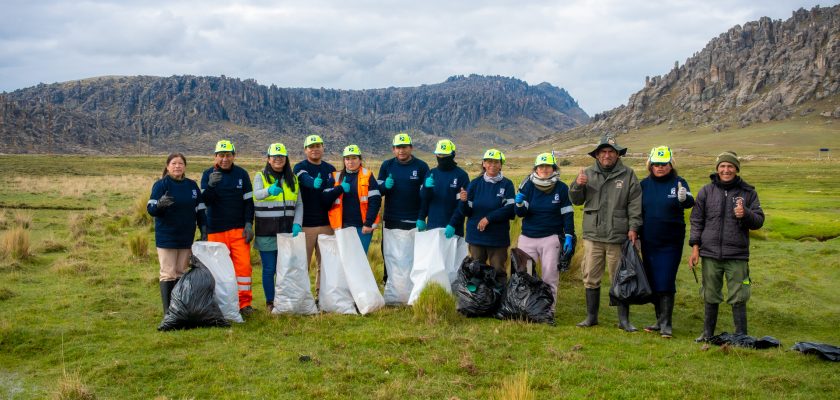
x=478, y=293
x=824, y=351
x=436, y=259
x=335, y=295
x=565, y=260
x=526, y=297
x=742, y=340
x=630, y=284
x=192, y=304
x=398, y=253
x=216, y=257
x=357, y=271
x=292, y=285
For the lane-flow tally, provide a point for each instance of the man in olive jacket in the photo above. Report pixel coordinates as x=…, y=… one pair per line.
x=612, y=213
x=724, y=213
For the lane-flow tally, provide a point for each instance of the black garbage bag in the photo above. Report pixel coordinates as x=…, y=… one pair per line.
x=824, y=351
x=476, y=288
x=630, y=284
x=741, y=340
x=565, y=260
x=192, y=304
x=526, y=297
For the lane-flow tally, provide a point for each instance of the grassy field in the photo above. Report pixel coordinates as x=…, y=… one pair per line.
x=80, y=312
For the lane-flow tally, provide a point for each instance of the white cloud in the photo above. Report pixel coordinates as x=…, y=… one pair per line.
x=599, y=50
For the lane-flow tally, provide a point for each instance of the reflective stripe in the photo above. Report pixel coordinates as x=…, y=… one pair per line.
x=363, y=198
x=243, y=287
x=508, y=201
x=380, y=182
x=273, y=214
x=200, y=207
x=301, y=172
x=373, y=192
x=689, y=194
x=247, y=196
x=269, y=204
x=243, y=279
x=566, y=210
x=152, y=202
x=458, y=196
x=524, y=204
x=469, y=203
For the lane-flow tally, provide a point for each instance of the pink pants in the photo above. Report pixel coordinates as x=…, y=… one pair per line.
x=547, y=251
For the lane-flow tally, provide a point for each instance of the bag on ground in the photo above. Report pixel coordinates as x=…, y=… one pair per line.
x=216, y=257
x=357, y=271
x=824, y=351
x=334, y=295
x=430, y=262
x=741, y=340
x=398, y=253
x=292, y=285
x=477, y=291
x=526, y=297
x=192, y=304
x=630, y=284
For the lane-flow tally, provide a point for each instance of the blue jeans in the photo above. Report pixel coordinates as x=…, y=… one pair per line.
x=269, y=268
x=365, y=238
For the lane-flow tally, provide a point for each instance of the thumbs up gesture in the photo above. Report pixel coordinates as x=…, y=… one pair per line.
x=739, y=208
x=430, y=181
x=318, y=181
x=681, y=192
x=462, y=195
x=389, y=182
x=345, y=186
x=275, y=188
x=581, y=178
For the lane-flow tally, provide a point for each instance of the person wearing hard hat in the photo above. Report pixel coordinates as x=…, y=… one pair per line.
x=488, y=205
x=439, y=193
x=355, y=197
x=278, y=208
x=724, y=213
x=228, y=195
x=665, y=197
x=399, y=180
x=176, y=204
x=314, y=175
x=612, y=213
x=547, y=218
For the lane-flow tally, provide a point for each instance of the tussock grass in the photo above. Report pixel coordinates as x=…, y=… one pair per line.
x=138, y=246
x=516, y=388
x=15, y=244
x=71, y=387
x=435, y=306
x=22, y=219
x=139, y=215
x=6, y=293
x=77, y=225
x=4, y=219
x=52, y=245
x=70, y=266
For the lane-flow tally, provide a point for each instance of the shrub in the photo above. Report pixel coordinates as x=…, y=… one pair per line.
x=515, y=388
x=139, y=246
x=15, y=244
x=435, y=306
x=71, y=387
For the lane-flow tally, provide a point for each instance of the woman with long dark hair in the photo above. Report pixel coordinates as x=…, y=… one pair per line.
x=176, y=205
x=355, y=199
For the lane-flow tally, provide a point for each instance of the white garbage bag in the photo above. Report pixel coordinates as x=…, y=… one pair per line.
x=216, y=257
x=436, y=259
x=292, y=286
x=357, y=271
x=335, y=295
x=398, y=252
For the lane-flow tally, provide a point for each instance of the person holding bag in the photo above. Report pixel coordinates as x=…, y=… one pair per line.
x=439, y=193
x=355, y=197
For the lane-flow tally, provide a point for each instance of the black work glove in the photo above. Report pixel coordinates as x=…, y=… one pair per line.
x=214, y=178
x=203, y=230
x=165, y=201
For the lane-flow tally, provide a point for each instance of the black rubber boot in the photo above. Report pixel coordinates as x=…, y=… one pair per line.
x=624, y=318
x=166, y=294
x=593, y=301
x=739, y=317
x=666, y=301
x=657, y=307
x=709, y=322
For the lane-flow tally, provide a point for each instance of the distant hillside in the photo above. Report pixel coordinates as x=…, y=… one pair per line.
x=753, y=73
x=188, y=113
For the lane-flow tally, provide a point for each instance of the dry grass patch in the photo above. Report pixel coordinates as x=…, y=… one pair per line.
x=15, y=244
x=138, y=246
x=22, y=219
x=139, y=215
x=516, y=388
x=67, y=266
x=79, y=187
x=77, y=225
x=71, y=387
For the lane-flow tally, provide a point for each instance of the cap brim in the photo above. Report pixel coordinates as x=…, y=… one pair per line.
x=620, y=150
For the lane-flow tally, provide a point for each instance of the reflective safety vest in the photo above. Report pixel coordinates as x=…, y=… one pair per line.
x=275, y=214
x=362, y=183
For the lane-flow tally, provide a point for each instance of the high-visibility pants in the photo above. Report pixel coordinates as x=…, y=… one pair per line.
x=240, y=254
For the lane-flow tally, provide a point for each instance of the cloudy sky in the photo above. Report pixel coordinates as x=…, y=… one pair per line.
x=598, y=50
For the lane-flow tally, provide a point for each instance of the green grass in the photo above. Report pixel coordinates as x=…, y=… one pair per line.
x=82, y=306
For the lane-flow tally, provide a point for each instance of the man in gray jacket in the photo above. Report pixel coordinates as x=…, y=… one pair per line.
x=724, y=213
x=612, y=213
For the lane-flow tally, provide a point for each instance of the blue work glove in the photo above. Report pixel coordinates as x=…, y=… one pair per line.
x=275, y=189
x=567, y=245
x=520, y=198
x=345, y=186
x=296, y=229
x=430, y=182
x=421, y=225
x=248, y=232
x=449, y=232
x=389, y=182
x=318, y=181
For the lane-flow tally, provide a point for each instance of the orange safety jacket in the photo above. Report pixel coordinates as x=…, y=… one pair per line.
x=362, y=182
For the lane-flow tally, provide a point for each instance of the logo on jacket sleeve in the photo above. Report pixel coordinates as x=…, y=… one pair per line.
x=414, y=175
x=194, y=194
x=673, y=193
x=454, y=183
x=556, y=198
x=239, y=185
x=501, y=193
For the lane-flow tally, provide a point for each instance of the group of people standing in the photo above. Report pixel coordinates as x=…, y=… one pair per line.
x=315, y=198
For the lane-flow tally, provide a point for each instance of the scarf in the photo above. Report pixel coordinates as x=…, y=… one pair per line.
x=544, y=185
x=493, y=179
x=446, y=163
